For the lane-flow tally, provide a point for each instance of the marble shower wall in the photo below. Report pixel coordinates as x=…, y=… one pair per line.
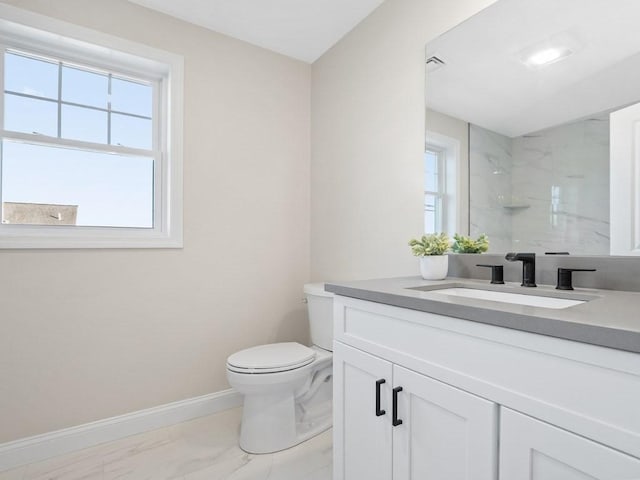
x=563, y=173
x=490, y=164
x=558, y=193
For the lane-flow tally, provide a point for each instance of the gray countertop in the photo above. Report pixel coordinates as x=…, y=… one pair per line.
x=607, y=318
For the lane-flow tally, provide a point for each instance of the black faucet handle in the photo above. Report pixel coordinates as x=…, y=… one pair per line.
x=497, y=273
x=565, y=277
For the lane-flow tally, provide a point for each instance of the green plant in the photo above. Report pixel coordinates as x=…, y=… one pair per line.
x=432, y=244
x=464, y=244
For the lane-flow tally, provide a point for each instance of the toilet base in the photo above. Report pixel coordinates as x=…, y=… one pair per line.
x=276, y=421
x=257, y=438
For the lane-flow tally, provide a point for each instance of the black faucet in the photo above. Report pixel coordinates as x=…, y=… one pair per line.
x=528, y=267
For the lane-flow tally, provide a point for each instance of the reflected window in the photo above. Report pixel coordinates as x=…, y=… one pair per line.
x=434, y=189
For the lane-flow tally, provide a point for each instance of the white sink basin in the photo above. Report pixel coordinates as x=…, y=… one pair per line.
x=506, y=297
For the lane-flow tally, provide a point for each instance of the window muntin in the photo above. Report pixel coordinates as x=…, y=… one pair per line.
x=130, y=97
x=58, y=138
x=30, y=115
x=31, y=76
x=84, y=87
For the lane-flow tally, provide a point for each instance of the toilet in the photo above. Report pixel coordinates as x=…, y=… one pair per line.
x=287, y=387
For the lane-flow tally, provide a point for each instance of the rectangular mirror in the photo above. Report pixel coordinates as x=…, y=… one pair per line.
x=532, y=106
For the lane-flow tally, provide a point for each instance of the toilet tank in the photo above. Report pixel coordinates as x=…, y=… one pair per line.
x=320, y=307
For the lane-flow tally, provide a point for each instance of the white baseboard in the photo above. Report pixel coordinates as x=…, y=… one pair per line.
x=39, y=447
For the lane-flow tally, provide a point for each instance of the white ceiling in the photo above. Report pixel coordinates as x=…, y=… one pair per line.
x=302, y=29
x=485, y=83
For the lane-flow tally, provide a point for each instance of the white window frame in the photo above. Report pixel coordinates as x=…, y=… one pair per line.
x=30, y=32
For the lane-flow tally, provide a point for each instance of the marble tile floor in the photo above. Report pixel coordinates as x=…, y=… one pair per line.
x=202, y=449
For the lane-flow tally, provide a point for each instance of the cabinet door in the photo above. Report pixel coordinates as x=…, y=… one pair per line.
x=534, y=450
x=362, y=439
x=446, y=433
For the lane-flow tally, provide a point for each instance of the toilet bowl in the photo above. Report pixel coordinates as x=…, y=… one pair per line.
x=287, y=387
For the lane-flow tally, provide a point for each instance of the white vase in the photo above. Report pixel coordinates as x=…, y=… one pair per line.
x=434, y=267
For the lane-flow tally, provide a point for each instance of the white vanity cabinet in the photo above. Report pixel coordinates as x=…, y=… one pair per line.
x=557, y=409
x=534, y=450
x=360, y=430
x=395, y=423
x=445, y=432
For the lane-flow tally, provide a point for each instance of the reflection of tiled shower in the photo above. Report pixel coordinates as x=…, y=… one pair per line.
x=550, y=191
x=490, y=179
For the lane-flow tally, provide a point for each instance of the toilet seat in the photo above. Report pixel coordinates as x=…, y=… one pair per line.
x=272, y=358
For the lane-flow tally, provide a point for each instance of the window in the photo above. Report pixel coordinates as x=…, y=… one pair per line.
x=61, y=122
x=442, y=185
x=90, y=140
x=434, y=192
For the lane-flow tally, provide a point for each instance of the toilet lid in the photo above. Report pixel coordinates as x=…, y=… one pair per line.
x=275, y=357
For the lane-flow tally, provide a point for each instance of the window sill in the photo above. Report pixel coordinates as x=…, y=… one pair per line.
x=39, y=237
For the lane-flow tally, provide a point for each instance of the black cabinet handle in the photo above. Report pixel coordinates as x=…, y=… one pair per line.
x=379, y=411
x=395, y=421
